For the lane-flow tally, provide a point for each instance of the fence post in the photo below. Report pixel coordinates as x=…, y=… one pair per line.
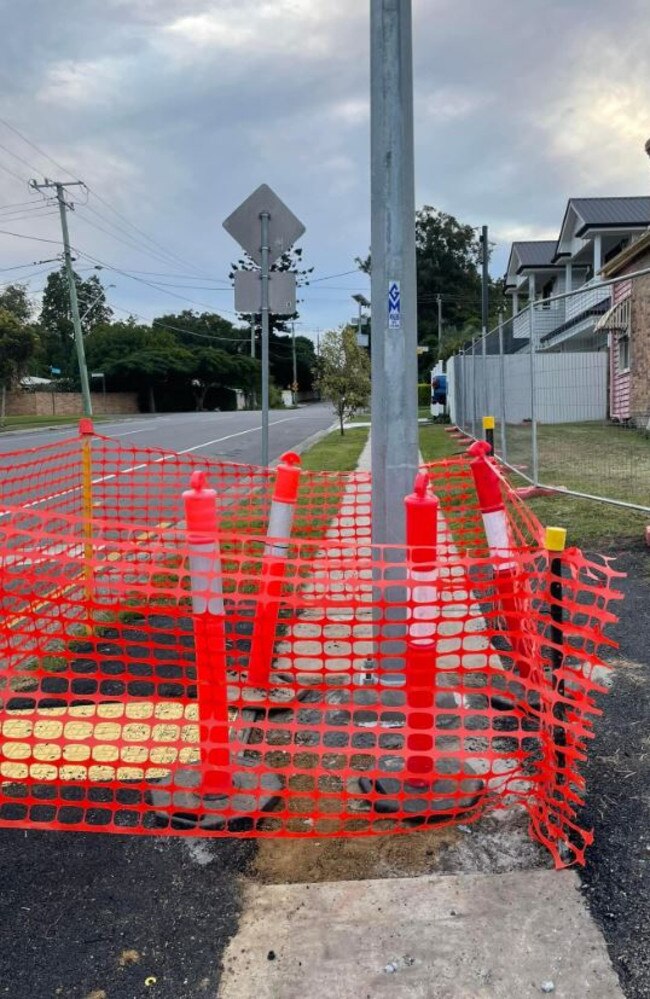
x=421, y=515
x=208, y=615
x=485, y=408
x=502, y=391
x=555, y=542
x=533, y=409
x=283, y=505
x=474, y=387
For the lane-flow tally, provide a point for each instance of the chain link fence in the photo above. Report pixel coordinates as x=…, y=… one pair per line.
x=568, y=381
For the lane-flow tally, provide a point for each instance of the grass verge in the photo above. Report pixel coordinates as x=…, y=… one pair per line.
x=336, y=453
x=38, y=422
x=436, y=443
x=590, y=524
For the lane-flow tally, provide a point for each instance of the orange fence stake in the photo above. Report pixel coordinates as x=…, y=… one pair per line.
x=421, y=511
x=86, y=431
x=283, y=506
x=209, y=632
x=497, y=532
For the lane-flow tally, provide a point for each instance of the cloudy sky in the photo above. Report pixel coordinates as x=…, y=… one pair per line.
x=173, y=111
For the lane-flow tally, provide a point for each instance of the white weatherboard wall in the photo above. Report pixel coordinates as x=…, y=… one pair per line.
x=569, y=387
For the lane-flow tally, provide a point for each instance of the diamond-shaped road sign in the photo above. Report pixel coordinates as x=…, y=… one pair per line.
x=244, y=224
x=282, y=292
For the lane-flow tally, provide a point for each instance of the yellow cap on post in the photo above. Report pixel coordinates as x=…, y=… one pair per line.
x=488, y=423
x=555, y=539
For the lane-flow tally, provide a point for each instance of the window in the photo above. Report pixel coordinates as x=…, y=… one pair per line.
x=623, y=352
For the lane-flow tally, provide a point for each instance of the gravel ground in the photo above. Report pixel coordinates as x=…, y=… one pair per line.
x=616, y=879
x=115, y=917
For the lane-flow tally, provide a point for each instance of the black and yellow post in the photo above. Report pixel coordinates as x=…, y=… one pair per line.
x=488, y=431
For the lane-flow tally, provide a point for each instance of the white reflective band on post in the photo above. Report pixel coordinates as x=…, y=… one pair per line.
x=205, y=572
x=498, y=538
x=424, y=594
x=280, y=524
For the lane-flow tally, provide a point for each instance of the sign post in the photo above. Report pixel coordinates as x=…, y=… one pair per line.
x=265, y=228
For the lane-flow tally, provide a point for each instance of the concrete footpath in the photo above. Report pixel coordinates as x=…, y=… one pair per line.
x=510, y=935
x=466, y=936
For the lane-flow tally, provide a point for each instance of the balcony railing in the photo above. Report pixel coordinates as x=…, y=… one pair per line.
x=558, y=314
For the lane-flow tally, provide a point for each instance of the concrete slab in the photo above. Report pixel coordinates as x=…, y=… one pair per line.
x=471, y=936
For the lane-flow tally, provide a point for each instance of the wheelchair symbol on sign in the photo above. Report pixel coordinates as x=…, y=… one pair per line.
x=394, y=306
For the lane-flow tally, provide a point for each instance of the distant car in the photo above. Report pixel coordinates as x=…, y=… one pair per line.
x=439, y=390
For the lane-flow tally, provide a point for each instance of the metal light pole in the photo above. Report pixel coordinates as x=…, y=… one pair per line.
x=394, y=349
x=439, y=301
x=362, y=303
x=294, y=386
x=485, y=278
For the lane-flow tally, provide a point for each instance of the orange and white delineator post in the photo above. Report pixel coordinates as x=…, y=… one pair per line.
x=283, y=507
x=421, y=512
x=497, y=532
x=208, y=616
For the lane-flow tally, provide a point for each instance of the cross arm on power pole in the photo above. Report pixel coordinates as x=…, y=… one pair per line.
x=59, y=187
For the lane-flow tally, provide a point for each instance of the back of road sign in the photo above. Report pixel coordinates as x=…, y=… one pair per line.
x=282, y=292
x=244, y=224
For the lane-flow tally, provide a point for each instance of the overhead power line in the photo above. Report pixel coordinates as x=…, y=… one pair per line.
x=23, y=180
x=22, y=235
x=174, y=256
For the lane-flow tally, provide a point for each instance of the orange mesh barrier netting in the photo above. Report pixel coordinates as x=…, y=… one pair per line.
x=158, y=680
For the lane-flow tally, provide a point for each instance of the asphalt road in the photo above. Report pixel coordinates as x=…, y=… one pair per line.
x=233, y=436
x=129, y=917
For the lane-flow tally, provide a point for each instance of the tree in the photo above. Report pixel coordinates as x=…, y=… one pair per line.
x=212, y=368
x=281, y=360
x=448, y=264
x=289, y=261
x=17, y=345
x=206, y=329
x=152, y=368
x=16, y=301
x=344, y=373
x=56, y=318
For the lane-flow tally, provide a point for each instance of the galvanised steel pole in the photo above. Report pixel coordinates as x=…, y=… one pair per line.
x=394, y=350
x=533, y=407
x=502, y=392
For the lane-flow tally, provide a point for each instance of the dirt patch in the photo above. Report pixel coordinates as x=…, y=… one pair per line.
x=287, y=861
x=496, y=844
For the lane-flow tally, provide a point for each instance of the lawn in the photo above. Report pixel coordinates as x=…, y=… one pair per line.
x=572, y=455
x=336, y=453
x=595, y=458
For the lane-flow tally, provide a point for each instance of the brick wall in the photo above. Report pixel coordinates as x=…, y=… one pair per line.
x=69, y=403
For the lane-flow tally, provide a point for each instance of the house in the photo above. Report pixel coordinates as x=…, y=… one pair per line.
x=593, y=232
x=627, y=326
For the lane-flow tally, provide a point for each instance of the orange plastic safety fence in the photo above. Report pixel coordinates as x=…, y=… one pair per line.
x=127, y=641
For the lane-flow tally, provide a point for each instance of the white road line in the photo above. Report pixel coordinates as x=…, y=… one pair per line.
x=129, y=432
x=156, y=461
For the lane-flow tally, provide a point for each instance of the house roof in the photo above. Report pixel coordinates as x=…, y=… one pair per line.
x=626, y=256
x=536, y=253
x=596, y=212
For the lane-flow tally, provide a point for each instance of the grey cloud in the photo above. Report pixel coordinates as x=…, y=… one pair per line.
x=518, y=107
